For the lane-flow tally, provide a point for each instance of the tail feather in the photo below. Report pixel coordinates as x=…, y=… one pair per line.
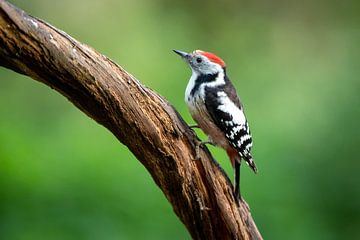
x=250, y=161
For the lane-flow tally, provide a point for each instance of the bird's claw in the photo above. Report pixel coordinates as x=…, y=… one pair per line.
x=197, y=147
x=197, y=150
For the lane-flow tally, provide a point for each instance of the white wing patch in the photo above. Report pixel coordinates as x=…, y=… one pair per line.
x=227, y=106
x=237, y=130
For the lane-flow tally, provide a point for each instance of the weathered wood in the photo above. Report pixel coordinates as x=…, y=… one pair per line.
x=145, y=122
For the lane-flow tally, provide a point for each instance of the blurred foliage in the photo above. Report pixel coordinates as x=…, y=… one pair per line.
x=295, y=65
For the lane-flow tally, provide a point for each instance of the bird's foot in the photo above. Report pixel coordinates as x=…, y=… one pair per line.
x=197, y=147
x=197, y=150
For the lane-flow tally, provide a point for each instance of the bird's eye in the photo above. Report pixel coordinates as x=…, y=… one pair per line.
x=198, y=60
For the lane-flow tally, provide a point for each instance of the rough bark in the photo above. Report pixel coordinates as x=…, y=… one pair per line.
x=199, y=191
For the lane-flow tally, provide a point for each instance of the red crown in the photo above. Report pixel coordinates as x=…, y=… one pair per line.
x=212, y=57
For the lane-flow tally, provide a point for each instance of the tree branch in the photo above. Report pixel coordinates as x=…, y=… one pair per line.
x=145, y=122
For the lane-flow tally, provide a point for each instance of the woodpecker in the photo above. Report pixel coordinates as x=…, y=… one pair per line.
x=216, y=108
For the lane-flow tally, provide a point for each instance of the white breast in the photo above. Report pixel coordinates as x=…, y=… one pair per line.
x=199, y=113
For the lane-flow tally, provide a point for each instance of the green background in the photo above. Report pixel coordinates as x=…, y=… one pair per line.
x=296, y=66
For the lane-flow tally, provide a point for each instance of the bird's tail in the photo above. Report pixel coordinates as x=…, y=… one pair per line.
x=250, y=161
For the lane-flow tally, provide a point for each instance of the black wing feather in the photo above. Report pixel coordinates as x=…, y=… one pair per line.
x=238, y=135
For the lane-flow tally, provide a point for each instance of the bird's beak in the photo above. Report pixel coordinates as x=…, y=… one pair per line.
x=181, y=53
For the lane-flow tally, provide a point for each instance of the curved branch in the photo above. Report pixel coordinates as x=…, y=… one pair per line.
x=145, y=122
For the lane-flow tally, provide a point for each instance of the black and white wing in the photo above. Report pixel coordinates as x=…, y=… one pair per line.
x=227, y=113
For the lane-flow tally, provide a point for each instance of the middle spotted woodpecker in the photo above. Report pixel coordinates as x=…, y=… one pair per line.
x=216, y=108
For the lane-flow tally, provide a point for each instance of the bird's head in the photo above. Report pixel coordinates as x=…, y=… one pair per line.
x=202, y=62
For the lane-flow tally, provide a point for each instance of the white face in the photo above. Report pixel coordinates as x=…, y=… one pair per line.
x=201, y=64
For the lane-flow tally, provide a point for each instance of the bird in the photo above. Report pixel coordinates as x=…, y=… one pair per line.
x=216, y=108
